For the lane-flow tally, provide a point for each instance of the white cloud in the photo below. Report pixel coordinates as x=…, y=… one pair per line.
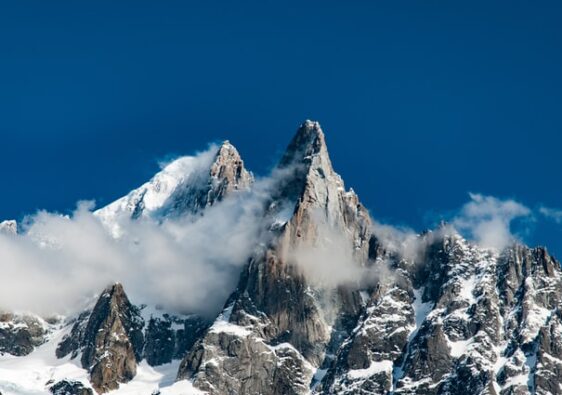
x=188, y=264
x=192, y=264
x=401, y=241
x=551, y=213
x=327, y=259
x=487, y=220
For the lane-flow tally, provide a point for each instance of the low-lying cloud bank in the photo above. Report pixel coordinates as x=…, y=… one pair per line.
x=188, y=264
x=191, y=264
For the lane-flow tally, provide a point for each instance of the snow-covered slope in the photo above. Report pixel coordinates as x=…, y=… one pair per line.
x=36, y=373
x=184, y=186
x=39, y=371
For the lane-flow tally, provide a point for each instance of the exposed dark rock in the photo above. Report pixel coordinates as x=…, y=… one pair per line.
x=20, y=333
x=170, y=337
x=111, y=340
x=73, y=342
x=275, y=329
x=449, y=317
x=160, y=341
x=70, y=387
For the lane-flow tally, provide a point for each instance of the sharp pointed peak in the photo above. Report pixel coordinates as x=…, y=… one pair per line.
x=226, y=144
x=115, y=289
x=307, y=142
x=310, y=132
x=312, y=126
x=226, y=149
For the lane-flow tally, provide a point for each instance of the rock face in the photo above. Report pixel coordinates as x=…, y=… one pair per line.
x=275, y=330
x=452, y=319
x=69, y=387
x=479, y=322
x=446, y=317
x=111, y=340
x=169, y=337
x=113, y=337
x=21, y=333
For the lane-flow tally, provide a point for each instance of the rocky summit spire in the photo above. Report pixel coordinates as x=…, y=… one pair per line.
x=292, y=330
x=306, y=155
x=227, y=174
x=111, y=340
x=319, y=191
x=309, y=141
x=438, y=315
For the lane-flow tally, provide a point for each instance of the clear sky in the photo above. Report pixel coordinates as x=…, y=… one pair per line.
x=422, y=102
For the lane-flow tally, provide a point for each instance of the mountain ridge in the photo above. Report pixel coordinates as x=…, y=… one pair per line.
x=326, y=304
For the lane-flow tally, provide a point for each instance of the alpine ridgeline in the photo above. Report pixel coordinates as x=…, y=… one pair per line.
x=324, y=305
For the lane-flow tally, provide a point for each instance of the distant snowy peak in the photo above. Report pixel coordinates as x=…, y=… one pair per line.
x=225, y=174
x=9, y=226
x=185, y=185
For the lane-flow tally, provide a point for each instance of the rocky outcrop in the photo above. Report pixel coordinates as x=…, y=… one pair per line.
x=445, y=316
x=111, y=340
x=479, y=322
x=21, y=333
x=169, y=337
x=275, y=330
x=113, y=337
x=453, y=318
x=70, y=387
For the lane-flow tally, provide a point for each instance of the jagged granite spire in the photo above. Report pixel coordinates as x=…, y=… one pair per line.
x=288, y=329
x=110, y=339
x=306, y=152
x=319, y=189
x=308, y=142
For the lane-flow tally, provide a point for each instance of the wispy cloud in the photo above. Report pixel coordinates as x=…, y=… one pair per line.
x=551, y=213
x=188, y=264
x=487, y=220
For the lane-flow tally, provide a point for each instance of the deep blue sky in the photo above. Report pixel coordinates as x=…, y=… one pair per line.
x=421, y=101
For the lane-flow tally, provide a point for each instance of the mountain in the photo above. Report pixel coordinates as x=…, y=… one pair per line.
x=326, y=303
x=274, y=330
x=187, y=185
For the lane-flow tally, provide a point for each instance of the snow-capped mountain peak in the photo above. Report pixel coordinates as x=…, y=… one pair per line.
x=428, y=314
x=183, y=186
